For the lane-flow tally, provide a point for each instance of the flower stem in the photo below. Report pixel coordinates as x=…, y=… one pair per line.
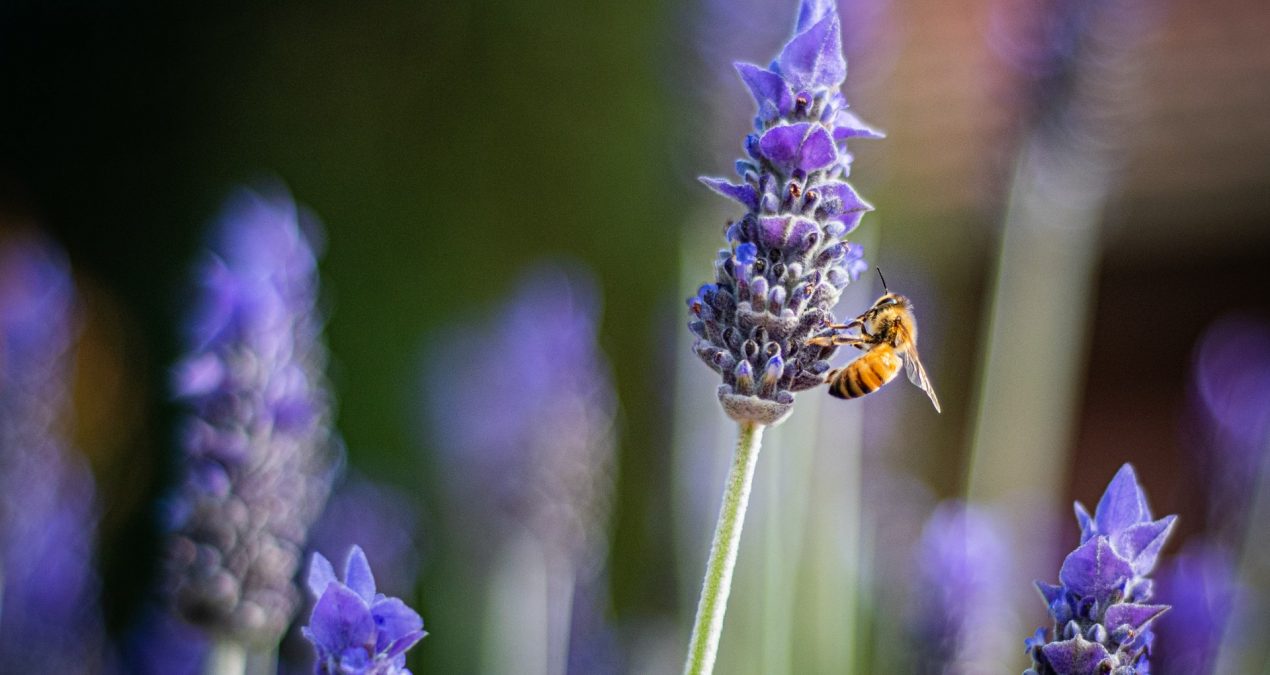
x=727, y=537
x=226, y=657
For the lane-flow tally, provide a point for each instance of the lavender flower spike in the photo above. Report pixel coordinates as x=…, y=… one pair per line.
x=258, y=449
x=49, y=620
x=355, y=630
x=1102, y=622
x=787, y=259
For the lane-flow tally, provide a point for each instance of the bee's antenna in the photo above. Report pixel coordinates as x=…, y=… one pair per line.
x=879, y=269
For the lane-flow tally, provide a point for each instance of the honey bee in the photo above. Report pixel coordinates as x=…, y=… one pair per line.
x=888, y=336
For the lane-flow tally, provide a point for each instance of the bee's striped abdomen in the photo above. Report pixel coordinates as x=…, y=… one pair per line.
x=866, y=374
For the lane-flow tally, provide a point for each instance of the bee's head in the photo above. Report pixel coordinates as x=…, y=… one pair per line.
x=890, y=300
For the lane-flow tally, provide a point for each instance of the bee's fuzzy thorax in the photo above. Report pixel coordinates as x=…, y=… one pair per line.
x=787, y=259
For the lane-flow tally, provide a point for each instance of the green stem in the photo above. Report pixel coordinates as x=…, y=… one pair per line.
x=727, y=538
x=226, y=657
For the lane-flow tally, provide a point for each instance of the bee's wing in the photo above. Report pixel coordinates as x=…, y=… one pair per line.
x=917, y=375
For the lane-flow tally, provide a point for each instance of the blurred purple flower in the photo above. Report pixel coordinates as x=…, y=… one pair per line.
x=786, y=262
x=962, y=557
x=1232, y=376
x=1231, y=389
x=1102, y=624
x=48, y=589
x=522, y=408
x=258, y=447
x=354, y=629
x=1202, y=584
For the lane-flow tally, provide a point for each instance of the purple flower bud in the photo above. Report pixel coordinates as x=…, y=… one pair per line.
x=1101, y=621
x=354, y=629
x=258, y=446
x=797, y=212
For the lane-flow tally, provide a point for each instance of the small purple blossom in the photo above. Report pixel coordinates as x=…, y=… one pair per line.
x=1102, y=619
x=787, y=260
x=258, y=448
x=354, y=629
x=49, y=620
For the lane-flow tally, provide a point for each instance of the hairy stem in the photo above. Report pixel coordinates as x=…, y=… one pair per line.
x=727, y=538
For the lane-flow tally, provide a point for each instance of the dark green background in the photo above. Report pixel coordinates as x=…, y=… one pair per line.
x=443, y=145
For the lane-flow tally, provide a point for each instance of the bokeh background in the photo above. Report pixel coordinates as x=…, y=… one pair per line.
x=1080, y=208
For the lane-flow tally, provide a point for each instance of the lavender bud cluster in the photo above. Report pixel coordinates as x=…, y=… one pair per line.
x=787, y=259
x=1102, y=619
x=258, y=448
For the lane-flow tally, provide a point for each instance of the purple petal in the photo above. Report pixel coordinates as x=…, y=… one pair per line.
x=199, y=376
x=1122, y=505
x=355, y=659
x=1076, y=656
x=839, y=198
x=813, y=59
x=1049, y=592
x=800, y=233
x=1037, y=639
x=781, y=144
x=405, y=642
x=1094, y=570
x=846, y=125
x=1085, y=521
x=811, y=11
x=340, y=619
x=357, y=574
x=773, y=230
x=746, y=194
x=393, y=620
x=850, y=221
x=817, y=151
x=1135, y=616
x=321, y=574
x=1140, y=544
x=766, y=86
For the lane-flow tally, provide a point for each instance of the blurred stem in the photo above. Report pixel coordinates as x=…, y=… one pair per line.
x=226, y=657
x=704, y=645
x=263, y=662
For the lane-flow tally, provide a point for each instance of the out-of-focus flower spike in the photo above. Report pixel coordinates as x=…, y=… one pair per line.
x=258, y=449
x=49, y=617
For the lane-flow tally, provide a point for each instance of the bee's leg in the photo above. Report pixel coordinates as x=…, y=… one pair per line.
x=837, y=340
